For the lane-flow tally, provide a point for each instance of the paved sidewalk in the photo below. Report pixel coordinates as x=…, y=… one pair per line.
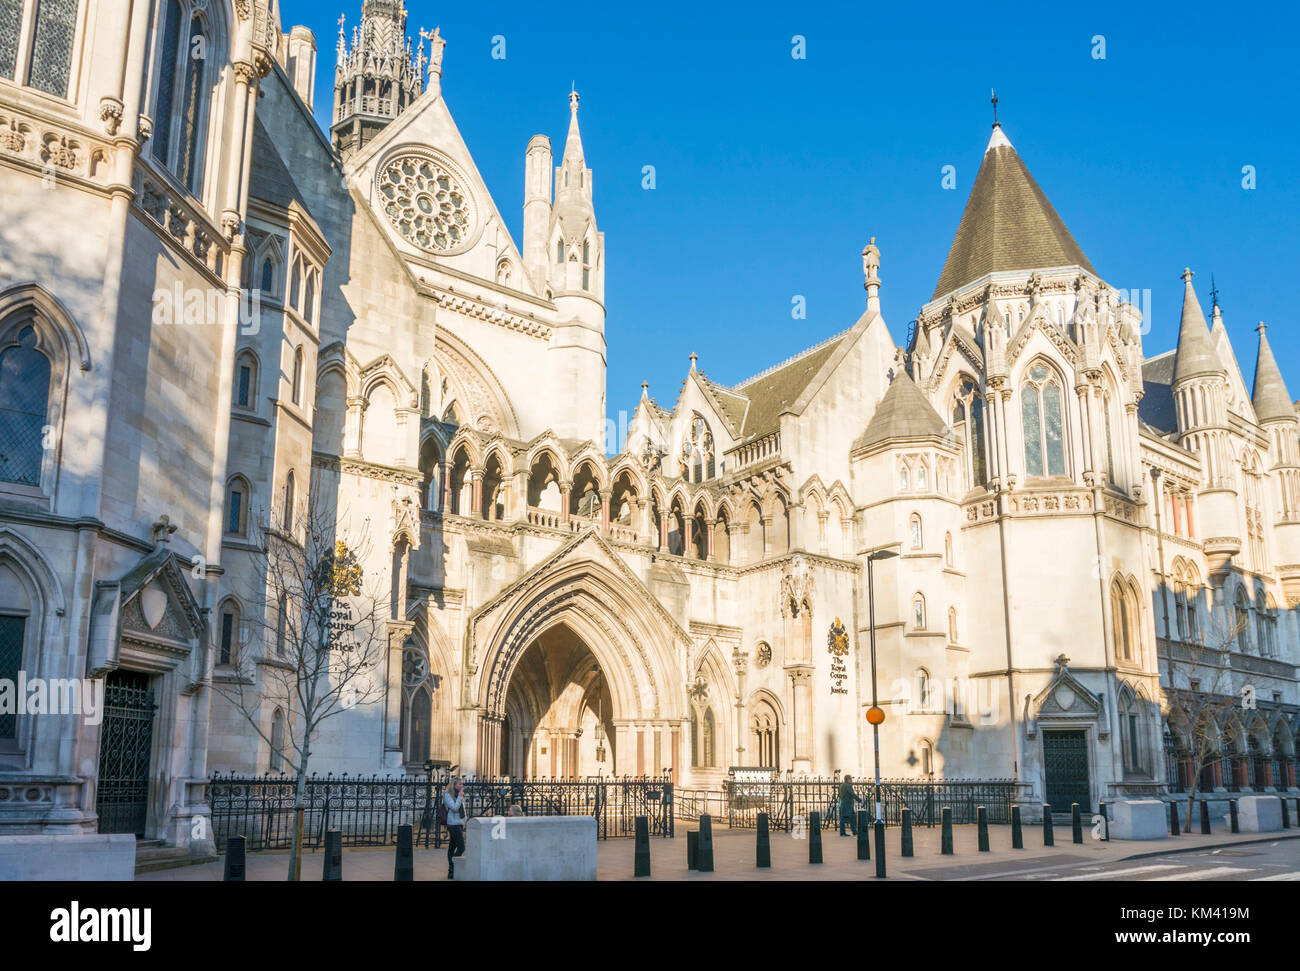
x=733, y=854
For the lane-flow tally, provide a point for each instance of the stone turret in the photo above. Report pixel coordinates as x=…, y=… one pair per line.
x=377, y=77
x=1200, y=385
x=1276, y=415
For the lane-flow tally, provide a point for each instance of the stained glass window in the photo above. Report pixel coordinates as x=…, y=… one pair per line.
x=188, y=164
x=11, y=20
x=56, y=24
x=24, y=396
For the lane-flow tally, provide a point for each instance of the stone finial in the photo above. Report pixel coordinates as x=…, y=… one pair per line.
x=162, y=530
x=871, y=274
x=694, y=357
x=1187, y=274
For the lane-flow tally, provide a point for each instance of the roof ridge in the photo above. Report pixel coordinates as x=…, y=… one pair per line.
x=788, y=361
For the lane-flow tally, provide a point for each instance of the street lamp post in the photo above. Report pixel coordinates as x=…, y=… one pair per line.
x=874, y=714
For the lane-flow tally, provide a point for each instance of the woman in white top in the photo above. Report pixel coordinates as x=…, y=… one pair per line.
x=453, y=801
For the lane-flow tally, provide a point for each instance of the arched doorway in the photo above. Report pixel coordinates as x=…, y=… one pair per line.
x=559, y=720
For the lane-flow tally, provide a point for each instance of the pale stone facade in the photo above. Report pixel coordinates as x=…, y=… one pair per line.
x=692, y=599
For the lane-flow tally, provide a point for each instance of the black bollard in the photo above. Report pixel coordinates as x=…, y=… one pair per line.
x=692, y=850
x=404, y=867
x=234, y=869
x=1174, y=827
x=1286, y=815
x=1049, y=837
x=982, y=827
x=1105, y=822
x=880, y=848
x=907, y=832
x=864, y=835
x=332, y=870
x=763, y=850
x=1205, y=818
x=814, y=837
x=1076, y=822
x=945, y=841
x=1017, y=837
x=704, y=856
x=641, y=855
x=1232, y=813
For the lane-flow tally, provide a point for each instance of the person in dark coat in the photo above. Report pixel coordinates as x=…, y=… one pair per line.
x=848, y=806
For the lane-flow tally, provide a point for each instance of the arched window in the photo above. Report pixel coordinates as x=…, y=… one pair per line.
x=710, y=739
x=309, y=298
x=703, y=735
x=918, y=612
x=296, y=385
x=182, y=94
x=24, y=406
x=1122, y=616
x=697, y=462
x=277, y=741
x=295, y=285
x=1241, y=620
x=586, y=265
x=1043, y=423
x=922, y=477
x=923, y=686
x=290, y=500
x=914, y=530
x=952, y=625
x=766, y=730
x=968, y=428
x=904, y=478
x=245, y=380
x=947, y=549
x=559, y=251
x=268, y=275
x=228, y=633
x=1107, y=421
x=926, y=762
x=237, y=499
x=1132, y=732
x=281, y=623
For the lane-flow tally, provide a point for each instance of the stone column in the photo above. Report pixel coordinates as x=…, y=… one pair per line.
x=801, y=683
x=710, y=527
x=688, y=528
x=605, y=496
x=565, y=488
x=476, y=494
x=353, y=425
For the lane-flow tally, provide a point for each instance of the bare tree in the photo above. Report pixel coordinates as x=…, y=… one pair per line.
x=323, y=630
x=1200, y=696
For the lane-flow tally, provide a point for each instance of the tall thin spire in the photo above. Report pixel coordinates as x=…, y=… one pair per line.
x=1195, y=354
x=1270, y=396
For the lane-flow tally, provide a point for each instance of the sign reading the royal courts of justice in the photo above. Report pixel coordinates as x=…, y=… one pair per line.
x=837, y=642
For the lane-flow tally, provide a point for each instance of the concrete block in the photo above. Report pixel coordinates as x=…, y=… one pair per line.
x=529, y=848
x=1259, y=814
x=87, y=856
x=1139, y=819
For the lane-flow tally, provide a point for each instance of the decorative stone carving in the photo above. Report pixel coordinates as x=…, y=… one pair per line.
x=796, y=587
x=110, y=113
x=426, y=203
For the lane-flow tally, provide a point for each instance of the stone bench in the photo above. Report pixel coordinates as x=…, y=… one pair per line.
x=1139, y=819
x=1259, y=814
x=529, y=848
x=80, y=856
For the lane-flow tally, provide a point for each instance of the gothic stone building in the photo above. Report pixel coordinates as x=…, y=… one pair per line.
x=1064, y=513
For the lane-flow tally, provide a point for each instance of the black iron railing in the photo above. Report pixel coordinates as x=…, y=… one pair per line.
x=789, y=802
x=368, y=811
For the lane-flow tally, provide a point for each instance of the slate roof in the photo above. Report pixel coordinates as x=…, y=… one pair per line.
x=1156, y=408
x=1008, y=224
x=775, y=390
x=1270, y=396
x=903, y=413
x=269, y=178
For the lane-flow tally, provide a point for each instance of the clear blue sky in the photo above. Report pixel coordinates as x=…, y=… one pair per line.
x=772, y=172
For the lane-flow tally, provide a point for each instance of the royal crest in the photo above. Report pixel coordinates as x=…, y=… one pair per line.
x=837, y=641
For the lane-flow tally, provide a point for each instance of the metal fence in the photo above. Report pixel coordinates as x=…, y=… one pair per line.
x=790, y=801
x=369, y=811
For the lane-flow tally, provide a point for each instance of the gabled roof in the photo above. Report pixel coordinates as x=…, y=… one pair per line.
x=1270, y=396
x=903, y=413
x=777, y=389
x=1008, y=224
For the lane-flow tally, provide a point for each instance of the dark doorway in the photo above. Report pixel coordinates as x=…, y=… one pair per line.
x=1065, y=761
x=125, y=747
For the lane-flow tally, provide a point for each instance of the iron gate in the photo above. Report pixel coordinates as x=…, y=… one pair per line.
x=1065, y=760
x=125, y=746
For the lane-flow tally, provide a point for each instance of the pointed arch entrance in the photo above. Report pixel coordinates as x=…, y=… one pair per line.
x=576, y=642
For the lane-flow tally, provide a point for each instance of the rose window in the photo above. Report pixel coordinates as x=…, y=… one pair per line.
x=425, y=203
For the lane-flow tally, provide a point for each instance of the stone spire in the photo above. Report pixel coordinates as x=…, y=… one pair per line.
x=1195, y=354
x=573, y=178
x=1270, y=396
